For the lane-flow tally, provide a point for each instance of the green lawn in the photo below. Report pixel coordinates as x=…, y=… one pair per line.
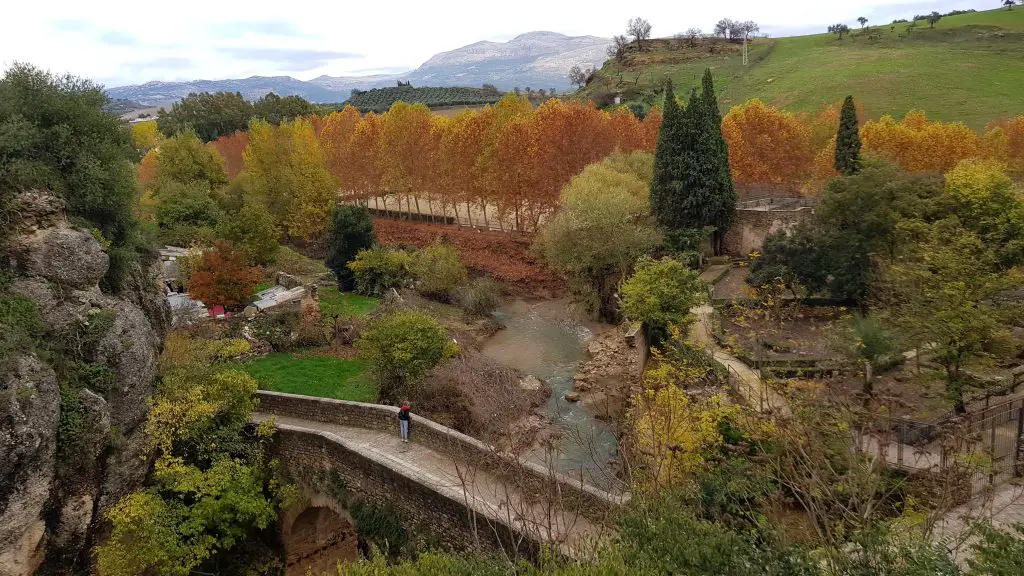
x=335, y=303
x=323, y=376
x=968, y=68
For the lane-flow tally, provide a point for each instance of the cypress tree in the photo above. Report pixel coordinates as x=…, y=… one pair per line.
x=848, y=140
x=666, y=200
x=710, y=199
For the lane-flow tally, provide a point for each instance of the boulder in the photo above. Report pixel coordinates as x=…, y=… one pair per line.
x=70, y=258
x=572, y=396
x=531, y=383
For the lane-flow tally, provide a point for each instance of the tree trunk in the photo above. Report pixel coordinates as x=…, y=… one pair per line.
x=458, y=222
x=483, y=206
x=868, y=377
x=417, y=199
x=469, y=213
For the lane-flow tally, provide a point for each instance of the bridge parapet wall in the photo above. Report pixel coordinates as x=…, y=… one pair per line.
x=592, y=503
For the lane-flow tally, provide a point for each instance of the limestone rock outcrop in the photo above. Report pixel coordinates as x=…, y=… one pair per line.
x=57, y=479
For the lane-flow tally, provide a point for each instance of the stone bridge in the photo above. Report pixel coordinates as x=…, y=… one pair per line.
x=442, y=487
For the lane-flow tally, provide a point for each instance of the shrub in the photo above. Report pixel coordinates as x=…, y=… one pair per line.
x=661, y=293
x=277, y=329
x=351, y=230
x=438, y=270
x=481, y=296
x=233, y=348
x=310, y=330
x=401, y=349
x=378, y=269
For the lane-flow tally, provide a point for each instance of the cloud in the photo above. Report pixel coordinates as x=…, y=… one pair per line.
x=166, y=63
x=381, y=70
x=265, y=27
x=118, y=38
x=72, y=25
x=295, y=59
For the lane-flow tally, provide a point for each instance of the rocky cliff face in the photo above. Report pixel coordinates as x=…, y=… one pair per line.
x=71, y=413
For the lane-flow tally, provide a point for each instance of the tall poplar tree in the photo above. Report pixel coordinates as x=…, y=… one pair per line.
x=848, y=140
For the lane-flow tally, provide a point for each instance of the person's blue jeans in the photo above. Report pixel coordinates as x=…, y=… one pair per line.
x=404, y=426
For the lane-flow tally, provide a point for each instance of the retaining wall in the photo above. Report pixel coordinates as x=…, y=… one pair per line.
x=752, y=226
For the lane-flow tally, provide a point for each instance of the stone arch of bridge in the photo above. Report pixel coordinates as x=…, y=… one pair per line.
x=316, y=534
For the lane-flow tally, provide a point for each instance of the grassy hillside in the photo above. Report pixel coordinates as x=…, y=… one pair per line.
x=968, y=68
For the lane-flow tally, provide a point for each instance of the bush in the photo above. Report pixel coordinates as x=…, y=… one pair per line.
x=401, y=349
x=660, y=293
x=351, y=230
x=252, y=231
x=379, y=269
x=438, y=270
x=481, y=296
x=277, y=329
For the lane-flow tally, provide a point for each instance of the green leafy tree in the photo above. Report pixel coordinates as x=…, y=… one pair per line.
x=848, y=140
x=183, y=158
x=186, y=214
x=983, y=197
x=599, y=232
x=54, y=135
x=275, y=109
x=401, y=349
x=212, y=492
x=661, y=293
x=438, y=270
x=252, y=231
x=866, y=340
x=933, y=19
x=351, y=231
x=944, y=292
x=209, y=115
x=861, y=220
x=378, y=269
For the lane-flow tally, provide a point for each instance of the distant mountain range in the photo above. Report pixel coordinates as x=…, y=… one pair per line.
x=535, y=59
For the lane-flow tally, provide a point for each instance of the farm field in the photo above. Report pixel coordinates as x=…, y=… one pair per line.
x=967, y=68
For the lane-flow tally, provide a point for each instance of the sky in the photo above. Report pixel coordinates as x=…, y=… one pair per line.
x=118, y=42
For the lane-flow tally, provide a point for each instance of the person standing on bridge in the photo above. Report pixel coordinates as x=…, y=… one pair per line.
x=403, y=421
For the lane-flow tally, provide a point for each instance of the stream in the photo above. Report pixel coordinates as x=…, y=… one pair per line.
x=542, y=338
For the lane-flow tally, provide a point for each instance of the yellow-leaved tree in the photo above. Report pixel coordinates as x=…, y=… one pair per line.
x=673, y=435
x=288, y=172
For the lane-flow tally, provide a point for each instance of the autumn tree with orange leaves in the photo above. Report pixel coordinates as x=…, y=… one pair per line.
x=232, y=148
x=223, y=277
x=768, y=148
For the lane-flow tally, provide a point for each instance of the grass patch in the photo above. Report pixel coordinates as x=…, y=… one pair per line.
x=967, y=68
x=335, y=303
x=323, y=376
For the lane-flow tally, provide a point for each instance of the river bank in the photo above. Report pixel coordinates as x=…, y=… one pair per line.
x=576, y=428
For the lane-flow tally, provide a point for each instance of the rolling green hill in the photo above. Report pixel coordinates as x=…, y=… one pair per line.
x=970, y=67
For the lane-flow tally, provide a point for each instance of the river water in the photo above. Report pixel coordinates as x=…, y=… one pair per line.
x=543, y=339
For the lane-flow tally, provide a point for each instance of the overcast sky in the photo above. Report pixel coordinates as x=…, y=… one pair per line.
x=119, y=42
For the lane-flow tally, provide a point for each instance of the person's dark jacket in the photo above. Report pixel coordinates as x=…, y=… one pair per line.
x=403, y=414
